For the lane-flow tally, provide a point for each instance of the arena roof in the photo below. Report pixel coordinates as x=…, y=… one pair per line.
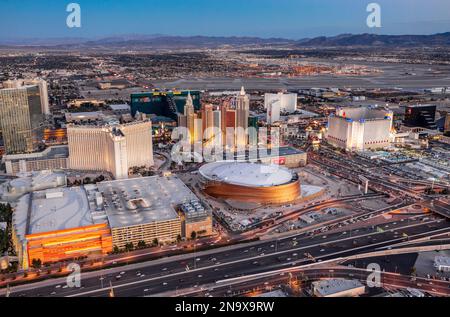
x=246, y=174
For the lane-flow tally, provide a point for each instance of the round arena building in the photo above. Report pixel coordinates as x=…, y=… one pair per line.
x=250, y=182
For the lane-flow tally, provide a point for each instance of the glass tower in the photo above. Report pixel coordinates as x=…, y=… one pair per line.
x=21, y=119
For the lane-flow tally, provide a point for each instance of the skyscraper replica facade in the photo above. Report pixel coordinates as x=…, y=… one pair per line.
x=217, y=115
x=242, y=114
x=228, y=118
x=188, y=118
x=207, y=121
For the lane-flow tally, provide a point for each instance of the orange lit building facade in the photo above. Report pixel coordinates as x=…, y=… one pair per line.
x=54, y=246
x=268, y=195
x=55, y=136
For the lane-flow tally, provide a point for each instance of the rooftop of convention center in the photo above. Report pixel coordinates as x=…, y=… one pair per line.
x=142, y=200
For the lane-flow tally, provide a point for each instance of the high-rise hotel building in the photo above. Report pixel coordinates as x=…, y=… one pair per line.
x=111, y=148
x=22, y=118
x=360, y=129
x=207, y=113
x=188, y=119
x=217, y=118
x=242, y=114
x=228, y=126
x=43, y=90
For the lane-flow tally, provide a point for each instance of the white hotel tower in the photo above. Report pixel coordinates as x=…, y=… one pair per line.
x=111, y=148
x=359, y=129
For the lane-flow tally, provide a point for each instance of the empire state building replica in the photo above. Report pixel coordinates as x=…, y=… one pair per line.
x=242, y=114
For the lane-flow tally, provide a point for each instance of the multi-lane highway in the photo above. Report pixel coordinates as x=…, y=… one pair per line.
x=217, y=241
x=202, y=268
x=296, y=277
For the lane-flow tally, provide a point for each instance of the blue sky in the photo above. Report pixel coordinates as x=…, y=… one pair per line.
x=264, y=18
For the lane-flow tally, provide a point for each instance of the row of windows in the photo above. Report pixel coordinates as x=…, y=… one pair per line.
x=148, y=232
x=377, y=142
x=336, y=139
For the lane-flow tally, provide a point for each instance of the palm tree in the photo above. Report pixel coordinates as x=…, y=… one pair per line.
x=155, y=242
x=129, y=246
x=193, y=235
x=36, y=263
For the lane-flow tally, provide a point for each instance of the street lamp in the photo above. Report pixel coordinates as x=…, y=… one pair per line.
x=195, y=260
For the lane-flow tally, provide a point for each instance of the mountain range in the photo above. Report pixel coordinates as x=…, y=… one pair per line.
x=442, y=39
x=145, y=41
x=166, y=41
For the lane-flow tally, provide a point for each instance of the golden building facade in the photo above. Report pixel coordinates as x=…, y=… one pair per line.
x=242, y=114
x=110, y=148
x=21, y=119
x=279, y=194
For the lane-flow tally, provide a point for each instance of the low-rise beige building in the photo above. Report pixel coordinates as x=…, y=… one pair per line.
x=196, y=218
x=52, y=158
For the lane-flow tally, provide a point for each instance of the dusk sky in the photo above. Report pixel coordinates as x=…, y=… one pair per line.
x=293, y=19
